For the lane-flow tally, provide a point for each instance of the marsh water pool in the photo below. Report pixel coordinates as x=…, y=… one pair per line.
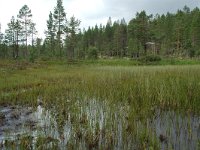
x=94, y=124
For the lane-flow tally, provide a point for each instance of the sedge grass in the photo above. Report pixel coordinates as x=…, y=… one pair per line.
x=134, y=92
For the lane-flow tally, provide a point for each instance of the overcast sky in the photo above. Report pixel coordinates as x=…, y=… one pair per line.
x=90, y=12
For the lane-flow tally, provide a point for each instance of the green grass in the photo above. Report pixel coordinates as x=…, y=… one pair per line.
x=138, y=62
x=141, y=86
x=123, y=62
x=140, y=89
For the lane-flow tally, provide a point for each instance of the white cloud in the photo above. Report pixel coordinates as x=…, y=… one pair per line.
x=85, y=8
x=90, y=12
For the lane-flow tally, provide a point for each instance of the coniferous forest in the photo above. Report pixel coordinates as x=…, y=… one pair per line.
x=171, y=34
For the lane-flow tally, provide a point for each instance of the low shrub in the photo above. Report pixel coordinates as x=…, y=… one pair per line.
x=150, y=58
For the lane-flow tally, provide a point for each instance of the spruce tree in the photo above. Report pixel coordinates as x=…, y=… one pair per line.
x=109, y=38
x=71, y=31
x=51, y=33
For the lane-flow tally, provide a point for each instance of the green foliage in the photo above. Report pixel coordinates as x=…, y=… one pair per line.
x=92, y=53
x=50, y=34
x=59, y=18
x=133, y=48
x=33, y=54
x=140, y=28
x=173, y=34
x=150, y=58
x=12, y=35
x=71, y=38
x=25, y=20
x=120, y=38
x=191, y=52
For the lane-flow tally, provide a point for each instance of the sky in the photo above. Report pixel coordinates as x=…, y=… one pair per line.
x=90, y=12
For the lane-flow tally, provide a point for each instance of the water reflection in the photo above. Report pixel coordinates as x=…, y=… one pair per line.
x=97, y=124
x=178, y=131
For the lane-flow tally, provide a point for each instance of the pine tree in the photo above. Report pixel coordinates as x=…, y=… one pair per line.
x=33, y=32
x=12, y=35
x=178, y=32
x=142, y=28
x=60, y=18
x=25, y=20
x=138, y=29
x=18, y=29
x=10, y=32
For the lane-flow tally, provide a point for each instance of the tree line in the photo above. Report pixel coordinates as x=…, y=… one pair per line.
x=168, y=34
x=171, y=34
